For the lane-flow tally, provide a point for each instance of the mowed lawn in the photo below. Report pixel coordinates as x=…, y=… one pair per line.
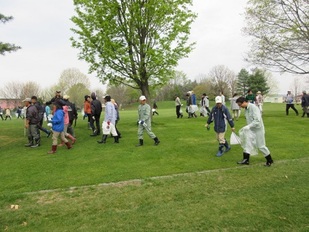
x=179, y=185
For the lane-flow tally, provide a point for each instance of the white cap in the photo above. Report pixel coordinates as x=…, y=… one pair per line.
x=142, y=98
x=218, y=99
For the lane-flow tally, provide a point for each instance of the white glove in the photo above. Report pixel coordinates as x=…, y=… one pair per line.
x=49, y=124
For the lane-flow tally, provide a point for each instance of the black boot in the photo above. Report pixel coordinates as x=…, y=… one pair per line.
x=220, y=150
x=227, y=146
x=141, y=143
x=103, y=140
x=30, y=143
x=269, y=161
x=245, y=159
x=116, y=139
x=157, y=141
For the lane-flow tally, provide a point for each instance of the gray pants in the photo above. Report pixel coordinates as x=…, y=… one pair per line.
x=141, y=129
x=33, y=132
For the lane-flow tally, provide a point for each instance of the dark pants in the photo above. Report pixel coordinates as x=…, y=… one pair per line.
x=178, y=111
x=288, y=106
x=96, y=120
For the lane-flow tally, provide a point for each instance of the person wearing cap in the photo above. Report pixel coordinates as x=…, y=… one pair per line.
x=289, y=103
x=144, y=122
x=58, y=127
x=87, y=109
x=259, y=101
x=305, y=104
x=96, y=109
x=41, y=111
x=57, y=97
x=72, y=114
x=253, y=134
x=108, y=125
x=220, y=115
x=31, y=124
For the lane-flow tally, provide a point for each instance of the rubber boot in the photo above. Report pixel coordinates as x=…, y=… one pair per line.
x=116, y=139
x=220, y=151
x=157, y=141
x=69, y=145
x=53, y=149
x=36, y=143
x=73, y=140
x=141, y=143
x=245, y=160
x=269, y=161
x=103, y=140
x=30, y=142
x=227, y=146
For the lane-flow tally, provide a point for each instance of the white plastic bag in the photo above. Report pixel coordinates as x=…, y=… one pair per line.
x=248, y=141
x=234, y=139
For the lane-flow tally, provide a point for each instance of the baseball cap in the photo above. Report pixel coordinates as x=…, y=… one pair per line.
x=28, y=99
x=142, y=98
x=218, y=99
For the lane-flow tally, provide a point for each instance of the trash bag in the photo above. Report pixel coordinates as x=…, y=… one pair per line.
x=234, y=139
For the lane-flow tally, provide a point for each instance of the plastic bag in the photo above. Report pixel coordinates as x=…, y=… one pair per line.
x=234, y=139
x=248, y=141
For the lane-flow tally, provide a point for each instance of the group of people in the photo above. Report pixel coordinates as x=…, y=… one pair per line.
x=289, y=99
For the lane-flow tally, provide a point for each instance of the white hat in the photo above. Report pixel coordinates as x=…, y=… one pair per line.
x=28, y=99
x=218, y=99
x=66, y=97
x=258, y=92
x=142, y=98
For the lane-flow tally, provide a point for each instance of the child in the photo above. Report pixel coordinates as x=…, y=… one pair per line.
x=219, y=114
x=58, y=127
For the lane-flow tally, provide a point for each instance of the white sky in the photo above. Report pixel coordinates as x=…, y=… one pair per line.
x=42, y=29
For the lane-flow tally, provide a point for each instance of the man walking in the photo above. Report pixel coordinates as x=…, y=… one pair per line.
x=255, y=127
x=144, y=122
x=96, y=109
x=289, y=103
x=305, y=104
x=31, y=124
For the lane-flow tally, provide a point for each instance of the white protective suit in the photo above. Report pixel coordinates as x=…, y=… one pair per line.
x=253, y=135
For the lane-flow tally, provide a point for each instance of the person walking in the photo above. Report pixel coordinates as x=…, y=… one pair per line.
x=47, y=111
x=117, y=116
x=96, y=109
x=72, y=114
x=66, y=125
x=144, y=122
x=178, y=107
x=8, y=114
x=41, y=111
x=289, y=103
x=58, y=127
x=253, y=134
x=234, y=107
x=1, y=113
x=204, y=105
x=87, y=109
x=108, y=125
x=259, y=101
x=305, y=104
x=250, y=96
x=220, y=115
x=154, y=108
x=31, y=124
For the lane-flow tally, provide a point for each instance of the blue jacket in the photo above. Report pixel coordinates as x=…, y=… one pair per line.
x=58, y=121
x=218, y=115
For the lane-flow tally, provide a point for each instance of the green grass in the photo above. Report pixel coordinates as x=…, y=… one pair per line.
x=197, y=191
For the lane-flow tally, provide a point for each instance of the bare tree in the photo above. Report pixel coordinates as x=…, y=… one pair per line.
x=222, y=78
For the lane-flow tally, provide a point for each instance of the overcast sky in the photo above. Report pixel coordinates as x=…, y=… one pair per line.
x=42, y=29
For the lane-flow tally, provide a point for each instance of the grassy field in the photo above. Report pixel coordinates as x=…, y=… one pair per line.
x=179, y=185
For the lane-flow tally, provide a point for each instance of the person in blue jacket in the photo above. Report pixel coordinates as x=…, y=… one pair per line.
x=58, y=127
x=219, y=115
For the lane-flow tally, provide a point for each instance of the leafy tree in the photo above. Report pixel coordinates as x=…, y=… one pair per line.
x=280, y=31
x=243, y=81
x=18, y=90
x=7, y=47
x=136, y=43
x=258, y=81
x=77, y=93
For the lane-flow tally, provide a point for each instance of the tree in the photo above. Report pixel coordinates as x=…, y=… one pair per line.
x=222, y=78
x=77, y=94
x=7, y=47
x=280, y=31
x=136, y=43
x=258, y=81
x=18, y=90
x=71, y=77
x=243, y=81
